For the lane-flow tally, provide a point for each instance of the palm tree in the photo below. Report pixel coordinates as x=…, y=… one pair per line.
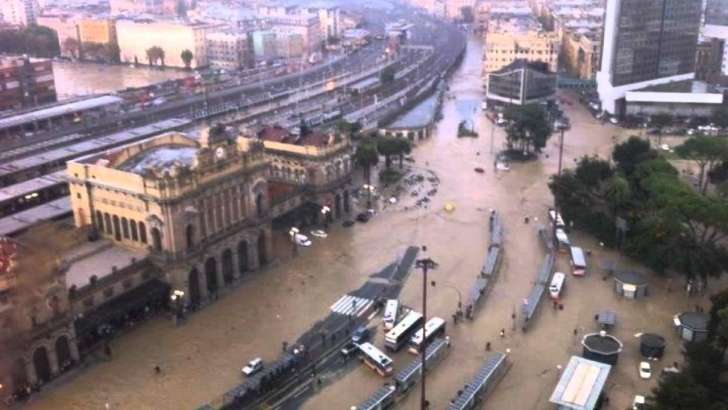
x=387, y=147
x=186, y=57
x=151, y=56
x=404, y=146
x=154, y=54
x=366, y=156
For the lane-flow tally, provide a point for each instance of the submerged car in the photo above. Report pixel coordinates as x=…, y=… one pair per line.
x=319, y=233
x=253, y=366
x=302, y=240
x=645, y=370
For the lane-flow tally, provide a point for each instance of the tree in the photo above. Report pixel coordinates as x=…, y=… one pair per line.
x=528, y=127
x=186, y=57
x=706, y=152
x=660, y=121
x=155, y=54
x=678, y=392
x=72, y=46
x=347, y=128
x=720, y=117
x=161, y=56
x=630, y=153
x=388, y=147
x=721, y=332
x=37, y=41
x=404, y=147
x=366, y=156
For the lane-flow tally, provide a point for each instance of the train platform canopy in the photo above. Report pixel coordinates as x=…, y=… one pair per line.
x=422, y=115
x=580, y=385
x=32, y=185
x=13, y=224
x=59, y=110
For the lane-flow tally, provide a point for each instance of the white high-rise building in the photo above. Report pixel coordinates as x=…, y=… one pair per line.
x=20, y=12
x=716, y=26
x=646, y=43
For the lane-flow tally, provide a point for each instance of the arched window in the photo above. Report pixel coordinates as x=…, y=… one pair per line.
x=100, y=221
x=107, y=224
x=142, y=232
x=259, y=204
x=134, y=233
x=226, y=204
x=156, y=239
x=190, y=236
x=125, y=227
x=117, y=228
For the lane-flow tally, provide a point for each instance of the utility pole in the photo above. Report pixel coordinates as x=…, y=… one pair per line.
x=425, y=264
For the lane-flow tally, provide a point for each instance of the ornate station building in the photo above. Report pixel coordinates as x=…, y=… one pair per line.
x=169, y=213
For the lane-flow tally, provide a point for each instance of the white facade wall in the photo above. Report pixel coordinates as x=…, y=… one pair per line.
x=136, y=38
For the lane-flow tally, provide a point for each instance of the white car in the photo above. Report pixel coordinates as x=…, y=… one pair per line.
x=645, y=370
x=639, y=402
x=665, y=147
x=614, y=120
x=254, y=366
x=302, y=240
x=319, y=233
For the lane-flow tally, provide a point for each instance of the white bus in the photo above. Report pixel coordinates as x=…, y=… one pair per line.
x=376, y=359
x=556, y=219
x=578, y=261
x=391, y=311
x=433, y=328
x=401, y=333
x=557, y=285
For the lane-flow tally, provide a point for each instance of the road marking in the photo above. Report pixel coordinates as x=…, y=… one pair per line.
x=351, y=305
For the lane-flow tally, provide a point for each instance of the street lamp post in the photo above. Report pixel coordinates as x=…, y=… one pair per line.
x=425, y=264
x=370, y=189
x=177, y=298
x=292, y=233
x=562, y=128
x=325, y=210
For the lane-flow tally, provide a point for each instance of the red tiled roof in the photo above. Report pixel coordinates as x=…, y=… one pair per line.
x=275, y=133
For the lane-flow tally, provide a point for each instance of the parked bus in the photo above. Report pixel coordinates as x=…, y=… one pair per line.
x=401, y=333
x=391, y=311
x=578, y=261
x=376, y=359
x=556, y=218
x=433, y=328
x=557, y=285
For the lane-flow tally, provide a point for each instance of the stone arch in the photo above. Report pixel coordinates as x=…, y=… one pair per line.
x=41, y=364
x=227, y=266
x=117, y=228
x=156, y=239
x=134, y=232
x=190, y=236
x=142, y=232
x=337, y=206
x=125, y=227
x=243, y=256
x=194, y=287
x=211, y=274
x=107, y=224
x=262, y=249
x=19, y=374
x=347, y=201
x=100, y=221
x=63, y=353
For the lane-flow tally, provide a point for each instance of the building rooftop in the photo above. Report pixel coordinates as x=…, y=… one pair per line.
x=161, y=159
x=695, y=320
x=97, y=258
x=601, y=343
x=275, y=133
x=581, y=383
x=21, y=221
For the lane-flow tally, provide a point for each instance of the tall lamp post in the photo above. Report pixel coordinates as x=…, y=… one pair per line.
x=561, y=126
x=370, y=190
x=425, y=264
x=292, y=233
x=325, y=210
x=177, y=298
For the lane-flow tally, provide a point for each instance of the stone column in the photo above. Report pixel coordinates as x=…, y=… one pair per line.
x=236, y=260
x=30, y=370
x=218, y=271
x=53, y=360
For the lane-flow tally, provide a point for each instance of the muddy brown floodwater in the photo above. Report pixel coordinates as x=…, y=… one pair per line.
x=202, y=359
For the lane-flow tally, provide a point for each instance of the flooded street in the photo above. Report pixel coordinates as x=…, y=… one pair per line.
x=78, y=79
x=202, y=359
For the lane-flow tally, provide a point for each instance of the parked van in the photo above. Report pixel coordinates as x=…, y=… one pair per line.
x=557, y=285
x=556, y=219
x=563, y=240
x=391, y=312
x=578, y=261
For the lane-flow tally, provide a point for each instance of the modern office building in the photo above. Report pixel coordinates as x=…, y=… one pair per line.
x=646, y=43
x=19, y=12
x=716, y=27
x=521, y=83
x=229, y=49
x=26, y=82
